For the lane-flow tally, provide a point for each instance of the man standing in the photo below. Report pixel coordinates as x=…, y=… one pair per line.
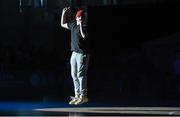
x=80, y=56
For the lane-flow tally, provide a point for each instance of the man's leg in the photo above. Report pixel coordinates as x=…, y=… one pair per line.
x=74, y=77
x=82, y=67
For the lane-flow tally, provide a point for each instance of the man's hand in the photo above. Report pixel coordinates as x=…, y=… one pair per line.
x=66, y=9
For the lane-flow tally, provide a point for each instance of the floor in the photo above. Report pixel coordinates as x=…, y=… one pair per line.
x=63, y=109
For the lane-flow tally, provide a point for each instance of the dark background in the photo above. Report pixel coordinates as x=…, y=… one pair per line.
x=135, y=54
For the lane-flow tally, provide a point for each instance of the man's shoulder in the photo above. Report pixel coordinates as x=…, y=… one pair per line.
x=71, y=24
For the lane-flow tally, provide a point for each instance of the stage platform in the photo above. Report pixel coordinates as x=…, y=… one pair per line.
x=63, y=109
x=115, y=110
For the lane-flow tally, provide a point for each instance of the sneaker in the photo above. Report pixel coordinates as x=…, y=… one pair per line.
x=73, y=100
x=82, y=100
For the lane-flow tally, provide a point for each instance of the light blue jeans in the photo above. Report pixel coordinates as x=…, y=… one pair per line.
x=79, y=66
